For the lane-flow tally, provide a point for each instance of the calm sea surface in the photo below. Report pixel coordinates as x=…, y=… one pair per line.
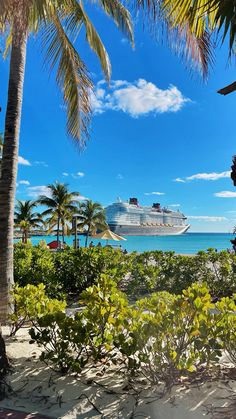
x=186, y=243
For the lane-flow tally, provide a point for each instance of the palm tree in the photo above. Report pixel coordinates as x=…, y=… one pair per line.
x=26, y=219
x=1, y=147
x=1, y=143
x=92, y=217
x=62, y=205
x=59, y=22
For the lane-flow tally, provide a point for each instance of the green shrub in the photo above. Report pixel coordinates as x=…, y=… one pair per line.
x=78, y=269
x=226, y=318
x=31, y=303
x=64, y=341
x=175, y=333
x=164, y=271
x=35, y=265
x=70, y=271
x=70, y=343
x=162, y=335
x=220, y=272
x=23, y=263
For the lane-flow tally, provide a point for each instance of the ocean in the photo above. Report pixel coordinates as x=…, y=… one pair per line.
x=188, y=243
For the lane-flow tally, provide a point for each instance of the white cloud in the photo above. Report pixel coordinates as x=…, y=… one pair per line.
x=119, y=176
x=115, y=84
x=23, y=161
x=78, y=175
x=24, y=182
x=204, y=176
x=207, y=218
x=154, y=193
x=209, y=176
x=178, y=179
x=35, y=191
x=174, y=205
x=225, y=194
x=138, y=98
x=65, y=174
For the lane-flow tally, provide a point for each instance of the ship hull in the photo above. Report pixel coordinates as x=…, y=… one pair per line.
x=132, y=230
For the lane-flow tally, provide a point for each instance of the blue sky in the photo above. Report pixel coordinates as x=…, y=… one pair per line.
x=155, y=124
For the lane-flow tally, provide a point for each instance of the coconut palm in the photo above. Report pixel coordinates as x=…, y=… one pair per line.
x=1, y=147
x=62, y=205
x=91, y=218
x=1, y=143
x=59, y=23
x=26, y=219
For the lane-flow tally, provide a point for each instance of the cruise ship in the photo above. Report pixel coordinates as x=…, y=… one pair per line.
x=131, y=219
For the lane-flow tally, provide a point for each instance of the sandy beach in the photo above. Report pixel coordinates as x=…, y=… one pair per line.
x=107, y=394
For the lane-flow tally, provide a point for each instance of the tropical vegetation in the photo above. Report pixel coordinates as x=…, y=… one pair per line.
x=31, y=302
x=91, y=217
x=61, y=206
x=165, y=337
x=59, y=23
x=26, y=219
x=73, y=270
x=183, y=324
x=96, y=332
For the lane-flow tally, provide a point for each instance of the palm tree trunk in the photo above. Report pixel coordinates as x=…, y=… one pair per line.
x=87, y=236
x=63, y=233
x=58, y=231
x=10, y=155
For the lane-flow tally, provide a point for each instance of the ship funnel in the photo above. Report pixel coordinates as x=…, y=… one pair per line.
x=133, y=201
x=156, y=205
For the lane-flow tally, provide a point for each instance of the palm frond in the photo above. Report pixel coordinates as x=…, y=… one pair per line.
x=196, y=52
x=202, y=16
x=78, y=17
x=72, y=77
x=120, y=15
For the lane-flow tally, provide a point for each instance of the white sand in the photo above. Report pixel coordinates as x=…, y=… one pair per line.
x=94, y=395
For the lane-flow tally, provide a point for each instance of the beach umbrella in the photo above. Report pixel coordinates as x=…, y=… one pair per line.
x=108, y=235
x=54, y=245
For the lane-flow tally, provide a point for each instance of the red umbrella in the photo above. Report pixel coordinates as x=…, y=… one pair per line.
x=54, y=245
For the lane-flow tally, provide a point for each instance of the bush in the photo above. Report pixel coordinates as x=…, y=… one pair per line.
x=22, y=263
x=165, y=271
x=35, y=265
x=70, y=343
x=176, y=333
x=70, y=271
x=31, y=303
x=161, y=336
x=226, y=317
x=78, y=269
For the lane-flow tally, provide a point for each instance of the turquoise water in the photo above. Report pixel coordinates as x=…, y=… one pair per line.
x=186, y=243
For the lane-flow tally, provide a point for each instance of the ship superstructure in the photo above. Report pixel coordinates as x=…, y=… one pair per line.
x=131, y=219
